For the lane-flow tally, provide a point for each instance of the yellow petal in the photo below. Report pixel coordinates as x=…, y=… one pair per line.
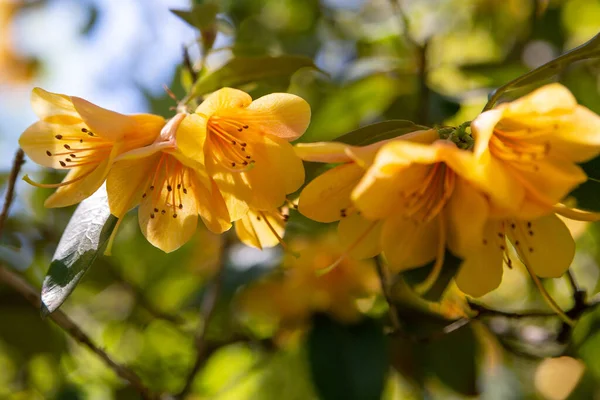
x=191, y=138
x=326, y=152
x=482, y=267
x=53, y=107
x=167, y=218
x=260, y=229
x=281, y=114
x=549, y=99
x=359, y=236
x=222, y=99
x=105, y=123
x=408, y=244
x=211, y=206
x=328, y=194
x=285, y=162
x=467, y=212
x=234, y=187
x=83, y=188
x=41, y=145
x=127, y=181
x=147, y=129
x=482, y=129
x=545, y=244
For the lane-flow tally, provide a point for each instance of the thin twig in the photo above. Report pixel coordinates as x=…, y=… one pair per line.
x=187, y=62
x=208, y=308
x=385, y=289
x=65, y=323
x=572, y=281
x=10, y=189
x=483, y=311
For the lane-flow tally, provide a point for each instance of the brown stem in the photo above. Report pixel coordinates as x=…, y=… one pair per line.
x=10, y=189
x=204, y=349
x=66, y=324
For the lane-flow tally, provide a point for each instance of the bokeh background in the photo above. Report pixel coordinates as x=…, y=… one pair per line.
x=142, y=306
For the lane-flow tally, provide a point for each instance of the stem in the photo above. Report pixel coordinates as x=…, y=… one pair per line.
x=385, y=289
x=10, y=189
x=66, y=324
x=208, y=308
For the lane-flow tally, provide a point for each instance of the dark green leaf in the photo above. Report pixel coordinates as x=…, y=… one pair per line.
x=453, y=359
x=201, y=16
x=348, y=362
x=590, y=49
x=449, y=270
x=243, y=70
x=85, y=236
x=379, y=131
x=588, y=193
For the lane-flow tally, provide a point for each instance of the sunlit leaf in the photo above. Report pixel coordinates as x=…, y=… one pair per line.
x=348, y=361
x=201, y=16
x=590, y=49
x=84, y=238
x=243, y=70
x=379, y=131
x=586, y=194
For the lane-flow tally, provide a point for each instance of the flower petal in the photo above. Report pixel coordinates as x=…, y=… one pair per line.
x=281, y=114
x=191, y=138
x=105, y=123
x=225, y=98
x=467, y=212
x=359, y=236
x=211, y=205
x=481, y=270
x=408, y=244
x=326, y=152
x=545, y=244
x=53, y=107
x=553, y=98
x=40, y=143
x=328, y=194
x=285, y=162
x=254, y=231
x=127, y=181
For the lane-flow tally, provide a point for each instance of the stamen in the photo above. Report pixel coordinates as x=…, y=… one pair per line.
x=56, y=185
x=433, y=276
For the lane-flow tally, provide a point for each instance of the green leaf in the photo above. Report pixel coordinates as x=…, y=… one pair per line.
x=379, y=131
x=243, y=70
x=453, y=359
x=587, y=194
x=201, y=16
x=348, y=362
x=585, y=340
x=347, y=107
x=449, y=271
x=590, y=49
x=84, y=237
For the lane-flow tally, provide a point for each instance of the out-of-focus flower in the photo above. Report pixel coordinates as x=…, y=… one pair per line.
x=262, y=229
x=536, y=140
x=171, y=194
x=306, y=286
x=13, y=68
x=83, y=138
x=243, y=145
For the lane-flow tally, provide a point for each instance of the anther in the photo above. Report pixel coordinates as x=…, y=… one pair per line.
x=513, y=226
x=67, y=147
x=156, y=210
x=179, y=186
x=62, y=163
x=48, y=153
x=58, y=137
x=233, y=164
x=80, y=140
x=144, y=196
x=180, y=206
x=530, y=233
x=243, y=144
x=73, y=155
x=152, y=215
x=285, y=217
x=151, y=187
x=343, y=213
x=169, y=188
x=163, y=212
x=502, y=247
x=91, y=133
x=67, y=159
x=84, y=130
x=258, y=217
x=174, y=215
x=245, y=126
x=529, y=225
x=516, y=242
x=500, y=235
x=531, y=249
x=184, y=191
x=485, y=241
x=240, y=129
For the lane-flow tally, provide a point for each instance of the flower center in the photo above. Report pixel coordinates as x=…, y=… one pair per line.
x=228, y=146
x=168, y=186
x=425, y=201
x=81, y=149
x=512, y=146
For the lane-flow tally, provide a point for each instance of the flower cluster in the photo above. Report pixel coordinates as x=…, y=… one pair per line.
x=419, y=195
x=228, y=162
x=412, y=198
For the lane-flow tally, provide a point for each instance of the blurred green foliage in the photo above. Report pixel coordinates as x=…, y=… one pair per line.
x=356, y=63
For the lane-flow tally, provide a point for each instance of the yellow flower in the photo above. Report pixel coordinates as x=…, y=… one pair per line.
x=536, y=140
x=243, y=144
x=83, y=138
x=171, y=193
x=262, y=229
x=291, y=296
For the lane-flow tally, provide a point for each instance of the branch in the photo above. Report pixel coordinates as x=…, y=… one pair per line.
x=385, y=289
x=10, y=189
x=203, y=347
x=483, y=311
x=66, y=324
